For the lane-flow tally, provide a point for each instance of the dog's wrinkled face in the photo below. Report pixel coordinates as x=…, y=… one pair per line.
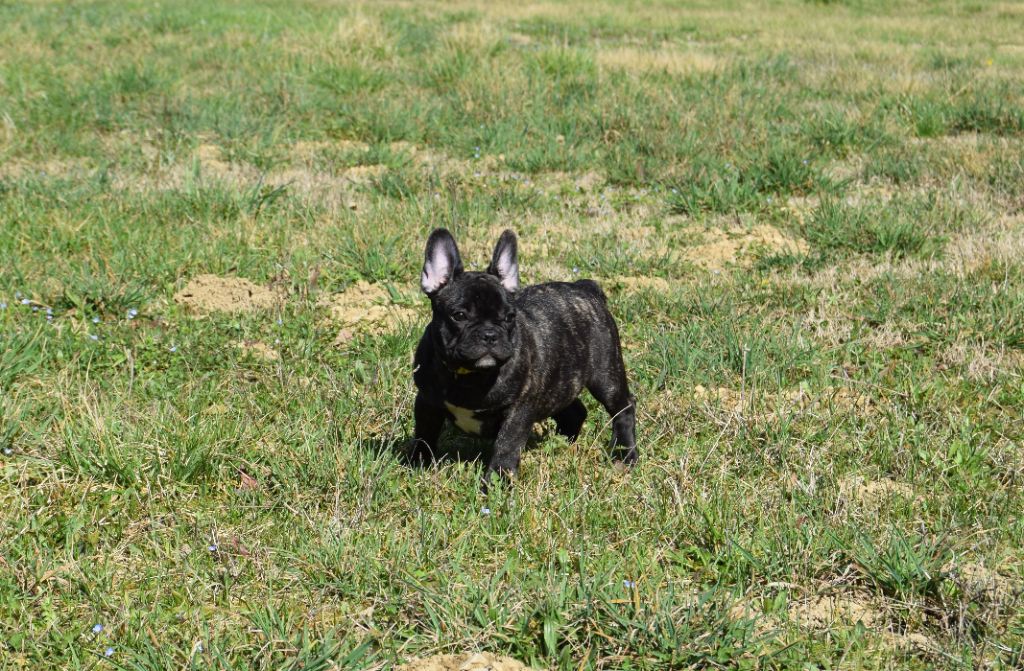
x=474, y=319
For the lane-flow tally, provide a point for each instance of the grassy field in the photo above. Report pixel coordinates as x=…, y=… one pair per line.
x=809, y=219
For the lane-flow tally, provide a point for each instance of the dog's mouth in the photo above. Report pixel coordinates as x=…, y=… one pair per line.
x=488, y=363
x=485, y=362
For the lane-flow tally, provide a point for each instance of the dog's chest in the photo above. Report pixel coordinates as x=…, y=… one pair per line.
x=465, y=419
x=478, y=422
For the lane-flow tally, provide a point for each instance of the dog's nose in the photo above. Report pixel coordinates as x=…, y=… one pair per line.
x=489, y=335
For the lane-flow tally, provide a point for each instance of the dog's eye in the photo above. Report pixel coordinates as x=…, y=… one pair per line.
x=459, y=315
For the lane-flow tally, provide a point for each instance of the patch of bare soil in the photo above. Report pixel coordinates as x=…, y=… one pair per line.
x=544, y=271
x=480, y=661
x=742, y=246
x=363, y=174
x=366, y=308
x=986, y=586
x=981, y=361
x=728, y=399
x=210, y=158
x=829, y=399
x=258, y=350
x=824, y=611
x=64, y=167
x=210, y=293
x=874, y=493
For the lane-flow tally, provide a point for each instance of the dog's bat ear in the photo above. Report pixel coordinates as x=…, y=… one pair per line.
x=441, y=263
x=505, y=262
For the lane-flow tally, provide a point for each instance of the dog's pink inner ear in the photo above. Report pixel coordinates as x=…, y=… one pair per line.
x=507, y=269
x=436, y=271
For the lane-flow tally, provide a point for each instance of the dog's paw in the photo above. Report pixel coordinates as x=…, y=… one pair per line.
x=418, y=454
x=625, y=458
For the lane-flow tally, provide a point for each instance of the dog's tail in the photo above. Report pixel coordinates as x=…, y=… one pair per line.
x=592, y=288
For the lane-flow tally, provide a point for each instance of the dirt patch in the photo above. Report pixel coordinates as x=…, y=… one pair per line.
x=545, y=271
x=210, y=293
x=742, y=246
x=481, y=661
x=822, y=612
x=985, y=585
x=365, y=308
x=589, y=182
x=759, y=404
x=62, y=167
x=874, y=493
x=728, y=399
x=829, y=398
x=980, y=361
x=363, y=174
x=258, y=350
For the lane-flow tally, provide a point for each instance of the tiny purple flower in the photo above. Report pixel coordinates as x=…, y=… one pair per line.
x=35, y=308
x=97, y=628
x=213, y=547
x=109, y=652
x=25, y=301
x=95, y=320
x=132, y=313
x=628, y=584
x=93, y=336
x=174, y=348
x=485, y=511
x=8, y=451
x=280, y=322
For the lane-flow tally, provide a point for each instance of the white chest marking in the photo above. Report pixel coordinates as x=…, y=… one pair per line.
x=465, y=418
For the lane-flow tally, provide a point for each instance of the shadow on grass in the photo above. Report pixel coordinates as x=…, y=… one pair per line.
x=453, y=447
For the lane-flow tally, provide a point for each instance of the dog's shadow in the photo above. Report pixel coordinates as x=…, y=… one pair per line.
x=453, y=447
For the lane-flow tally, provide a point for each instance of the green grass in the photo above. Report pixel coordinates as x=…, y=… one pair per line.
x=839, y=415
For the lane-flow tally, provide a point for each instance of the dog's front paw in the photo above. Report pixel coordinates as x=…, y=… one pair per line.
x=418, y=453
x=625, y=457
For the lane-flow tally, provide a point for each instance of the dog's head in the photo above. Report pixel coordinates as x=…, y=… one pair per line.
x=474, y=319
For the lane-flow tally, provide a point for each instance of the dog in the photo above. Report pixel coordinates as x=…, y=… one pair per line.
x=496, y=358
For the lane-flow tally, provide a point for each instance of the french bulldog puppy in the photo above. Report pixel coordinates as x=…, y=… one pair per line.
x=497, y=358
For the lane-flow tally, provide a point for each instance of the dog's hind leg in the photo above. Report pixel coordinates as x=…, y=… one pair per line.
x=569, y=420
x=613, y=393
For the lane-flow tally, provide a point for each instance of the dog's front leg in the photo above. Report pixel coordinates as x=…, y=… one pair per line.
x=429, y=422
x=509, y=444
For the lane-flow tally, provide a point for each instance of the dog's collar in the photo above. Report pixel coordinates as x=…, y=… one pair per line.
x=461, y=370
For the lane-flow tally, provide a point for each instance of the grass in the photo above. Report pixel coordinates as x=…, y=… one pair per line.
x=808, y=219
